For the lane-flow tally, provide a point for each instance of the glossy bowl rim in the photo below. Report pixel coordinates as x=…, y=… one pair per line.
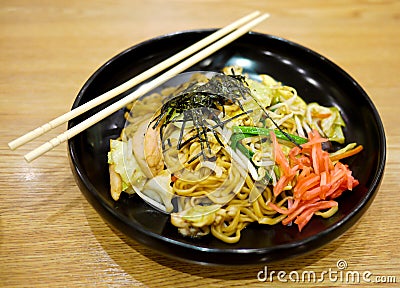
x=353, y=216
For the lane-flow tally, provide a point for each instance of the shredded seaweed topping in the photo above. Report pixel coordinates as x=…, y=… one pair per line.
x=197, y=104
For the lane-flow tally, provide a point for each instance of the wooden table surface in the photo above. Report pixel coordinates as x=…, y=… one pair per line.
x=51, y=237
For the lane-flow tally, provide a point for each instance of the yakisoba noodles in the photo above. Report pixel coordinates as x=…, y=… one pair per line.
x=224, y=151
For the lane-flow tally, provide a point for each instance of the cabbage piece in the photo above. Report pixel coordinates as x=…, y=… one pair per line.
x=262, y=93
x=125, y=164
x=332, y=126
x=261, y=96
x=159, y=189
x=327, y=120
x=199, y=216
x=260, y=90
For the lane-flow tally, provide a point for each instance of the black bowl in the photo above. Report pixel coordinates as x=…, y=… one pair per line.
x=315, y=78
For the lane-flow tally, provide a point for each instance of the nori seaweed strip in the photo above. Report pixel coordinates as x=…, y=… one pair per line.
x=181, y=132
x=195, y=102
x=218, y=124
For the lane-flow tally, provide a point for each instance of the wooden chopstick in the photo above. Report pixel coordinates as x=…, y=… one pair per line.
x=144, y=89
x=131, y=83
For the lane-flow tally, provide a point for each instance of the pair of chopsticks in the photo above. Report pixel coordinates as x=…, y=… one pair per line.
x=204, y=48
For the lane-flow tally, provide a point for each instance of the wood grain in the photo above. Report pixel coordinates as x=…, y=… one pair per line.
x=51, y=237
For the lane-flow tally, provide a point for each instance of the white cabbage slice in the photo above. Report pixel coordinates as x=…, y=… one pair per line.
x=330, y=124
x=262, y=93
x=197, y=216
x=159, y=189
x=125, y=164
